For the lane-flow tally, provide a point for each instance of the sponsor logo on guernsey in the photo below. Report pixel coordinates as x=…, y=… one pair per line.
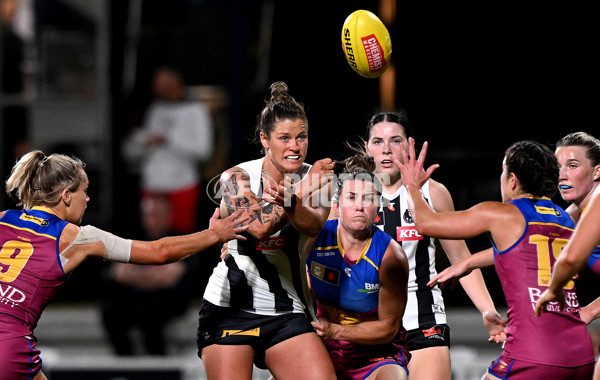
x=437, y=308
x=325, y=253
x=9, y=295
x=277, y=242
x=252, y=332
x=571, y=301
x=34, y=219
x=370, y=288
x=326, y=274
x=375, y=56
x=407, y=217
x=405, y=233
x=547, y=210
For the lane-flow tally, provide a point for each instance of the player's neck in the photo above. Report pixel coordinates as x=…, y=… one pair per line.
x=391, y=184
x=354, y=243
x=270, y=171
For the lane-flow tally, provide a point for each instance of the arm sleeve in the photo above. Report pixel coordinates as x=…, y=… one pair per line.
x=118, y=249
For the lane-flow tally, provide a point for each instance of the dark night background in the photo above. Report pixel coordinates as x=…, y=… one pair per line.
x=474, y=77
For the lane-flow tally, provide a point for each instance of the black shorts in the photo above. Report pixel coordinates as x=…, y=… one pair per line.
x=434, y=336
x=222, y=325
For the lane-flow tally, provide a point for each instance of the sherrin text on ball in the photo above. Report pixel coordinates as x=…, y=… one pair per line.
x=366, y=43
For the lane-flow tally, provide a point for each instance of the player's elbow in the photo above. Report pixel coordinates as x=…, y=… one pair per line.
x=569, y=261
x=388, y=331
x=424, y=227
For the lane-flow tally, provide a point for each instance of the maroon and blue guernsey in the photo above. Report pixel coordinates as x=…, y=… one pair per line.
x=558, y=337
x=30, y=268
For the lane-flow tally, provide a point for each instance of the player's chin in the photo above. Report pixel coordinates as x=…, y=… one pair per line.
x=388, y=170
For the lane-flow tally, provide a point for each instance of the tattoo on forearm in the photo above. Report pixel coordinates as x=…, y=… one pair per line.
x=255, y=215
x=237, y=196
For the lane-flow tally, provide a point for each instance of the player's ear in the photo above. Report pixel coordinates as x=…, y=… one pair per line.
x=335, y=210
x=65, y=196
x=597, y=172
x=513, y=181
x=264, y=140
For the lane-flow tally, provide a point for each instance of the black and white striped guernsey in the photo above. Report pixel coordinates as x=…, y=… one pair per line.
x=425, y=305
x=262, y=276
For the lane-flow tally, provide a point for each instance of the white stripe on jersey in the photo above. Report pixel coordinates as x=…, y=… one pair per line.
x=218, y=290
x=411, y=313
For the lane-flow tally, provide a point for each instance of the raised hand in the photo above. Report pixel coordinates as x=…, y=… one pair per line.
x=287, y=192
x=319, y=175
x=412, y=168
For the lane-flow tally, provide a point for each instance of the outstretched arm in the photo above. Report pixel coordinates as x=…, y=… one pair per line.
x=78, y=244
x=175, y=248
x=449, y=226
x=470, y=278
x=455, y=272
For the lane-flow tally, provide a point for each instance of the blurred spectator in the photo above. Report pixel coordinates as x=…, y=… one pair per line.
x=176, y=138
x=144, y=298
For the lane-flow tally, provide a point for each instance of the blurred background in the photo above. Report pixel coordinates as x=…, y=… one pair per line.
x=474, y=77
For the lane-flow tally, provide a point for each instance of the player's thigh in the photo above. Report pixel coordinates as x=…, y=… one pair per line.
x=301, y=357
x=430, y=363
x=388, y=372
x=222, y=362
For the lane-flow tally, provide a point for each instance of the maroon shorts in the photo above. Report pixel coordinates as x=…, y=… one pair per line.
x=356, y=362
x=19, y=359
x=506, y=368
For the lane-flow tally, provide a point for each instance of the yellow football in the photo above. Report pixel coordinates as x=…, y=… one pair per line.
x=367, y=43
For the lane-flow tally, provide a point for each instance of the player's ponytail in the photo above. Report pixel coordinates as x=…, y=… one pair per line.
x=37, y=179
